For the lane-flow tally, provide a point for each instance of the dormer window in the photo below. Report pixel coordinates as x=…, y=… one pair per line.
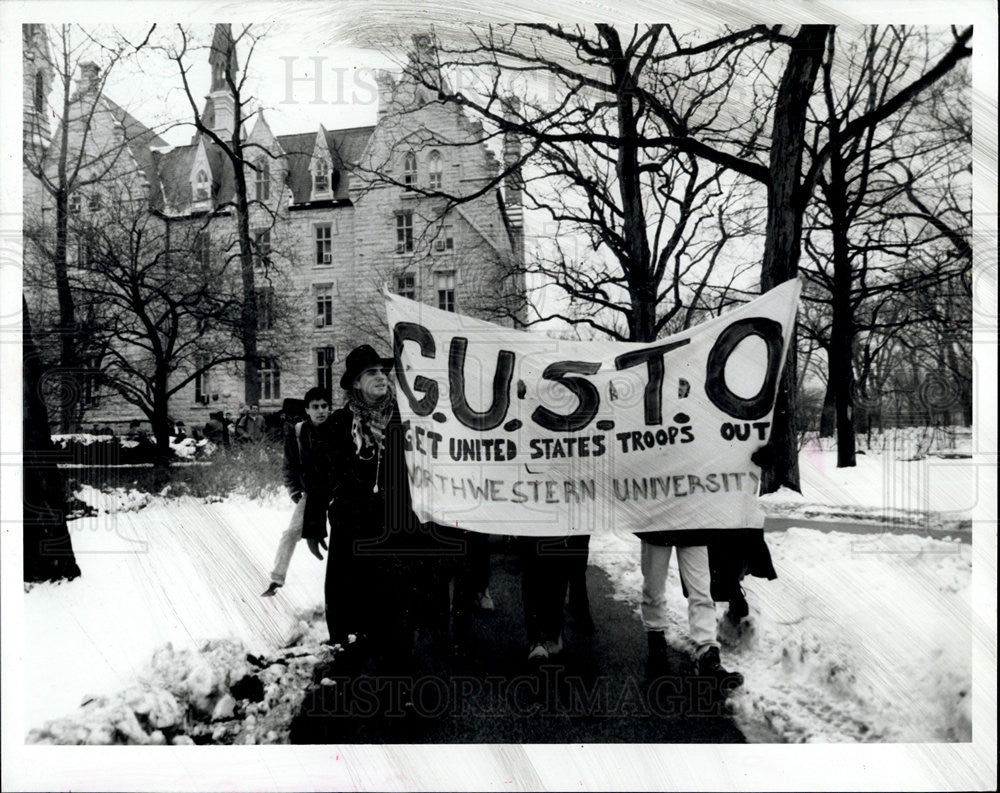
x=263, y=179
x=202, y=187
x=321, y=177
x=39, y=92
x=434, y=170
x=410, y=170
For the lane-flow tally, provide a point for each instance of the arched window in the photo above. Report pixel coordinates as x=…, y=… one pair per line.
x=410, y=169
x=201, y=186
x=321, y=177
x=39, y=92
x=263, y=180
x=434, y=169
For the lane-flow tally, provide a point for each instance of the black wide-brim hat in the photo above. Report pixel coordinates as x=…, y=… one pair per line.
x=359, y=359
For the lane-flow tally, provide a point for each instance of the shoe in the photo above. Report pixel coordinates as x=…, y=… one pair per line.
x=710, y=665
x=554, y=646
x=738, y=608
x=484, y=601
x=538, y=653
x=271, y=590
x=658, y=652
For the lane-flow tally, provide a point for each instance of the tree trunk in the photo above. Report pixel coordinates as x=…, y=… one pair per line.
x=48, y=548
x=159, y=419
x=69, y=364
x=248, y=318
x=842, y=328
x=642, y=292
x=785, y=206
x=828, y=418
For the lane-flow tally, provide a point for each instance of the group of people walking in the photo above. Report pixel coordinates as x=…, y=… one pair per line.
x=388, y=574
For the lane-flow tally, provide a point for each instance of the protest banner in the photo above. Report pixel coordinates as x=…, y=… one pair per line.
x=511, y=432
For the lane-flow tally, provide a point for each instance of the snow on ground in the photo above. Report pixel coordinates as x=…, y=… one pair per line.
x=932, y=492
x=158, y=571
x=861, y=638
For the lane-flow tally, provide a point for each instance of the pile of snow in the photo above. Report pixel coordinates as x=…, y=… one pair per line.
x=82, y=438
x=218, y=694
x=156, y=571
x=113, y=501
x=187, y=448
x=861, y=638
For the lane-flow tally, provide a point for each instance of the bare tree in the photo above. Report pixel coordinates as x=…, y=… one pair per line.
x=71, y=167
x=861, y=246
x=163, y=313
x=242, y=158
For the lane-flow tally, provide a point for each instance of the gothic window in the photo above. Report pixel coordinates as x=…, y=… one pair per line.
x=410, y=169
x=445, y=282
x=406, y=286
x=324, y=244
x=262, y=247
x=92, y=383
x=324, y=305
x=39, y=92
x=202, y=250
x=269, y=376
x=445, y=240
x=202, y=188
x=321, y=177
x=325, y=357
x=404, y=232
x=202, y=387
x=434, y=170
x=265, y=308
x=263, y=180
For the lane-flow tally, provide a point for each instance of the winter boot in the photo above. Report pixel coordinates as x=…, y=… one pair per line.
x=710, y=665
x=738, y=608
x=658, y=654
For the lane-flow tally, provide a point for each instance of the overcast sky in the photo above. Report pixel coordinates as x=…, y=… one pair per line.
x=297, y=72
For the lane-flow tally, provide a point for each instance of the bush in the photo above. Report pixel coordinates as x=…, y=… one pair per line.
x=254, y=469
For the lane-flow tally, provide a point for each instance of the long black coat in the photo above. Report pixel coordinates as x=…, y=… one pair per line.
x=380, y=518
x=380, y=568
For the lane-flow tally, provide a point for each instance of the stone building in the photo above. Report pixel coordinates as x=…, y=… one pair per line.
x=337, y=215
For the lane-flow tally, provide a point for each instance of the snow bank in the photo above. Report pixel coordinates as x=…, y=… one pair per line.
x=159, y=571
x=861, y=638
x=218, y=694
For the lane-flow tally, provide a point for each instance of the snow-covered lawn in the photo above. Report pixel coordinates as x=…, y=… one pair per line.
x=158, y=571
x=862, y=637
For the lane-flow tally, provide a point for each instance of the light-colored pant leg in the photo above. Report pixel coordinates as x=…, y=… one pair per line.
x=692, y=561
x=286, y=545
x=655, y=562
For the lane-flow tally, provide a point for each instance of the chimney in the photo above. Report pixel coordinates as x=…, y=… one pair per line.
x=87, y=82
x=386, y=91
x=513, y=184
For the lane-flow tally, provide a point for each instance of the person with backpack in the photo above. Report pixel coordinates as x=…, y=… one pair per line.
x=305, y=472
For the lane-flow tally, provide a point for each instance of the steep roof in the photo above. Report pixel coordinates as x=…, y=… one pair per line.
x=173, y=168
x=139, y=139
x=345, y=147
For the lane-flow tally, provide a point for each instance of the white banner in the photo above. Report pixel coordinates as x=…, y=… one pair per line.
x=516, y=433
